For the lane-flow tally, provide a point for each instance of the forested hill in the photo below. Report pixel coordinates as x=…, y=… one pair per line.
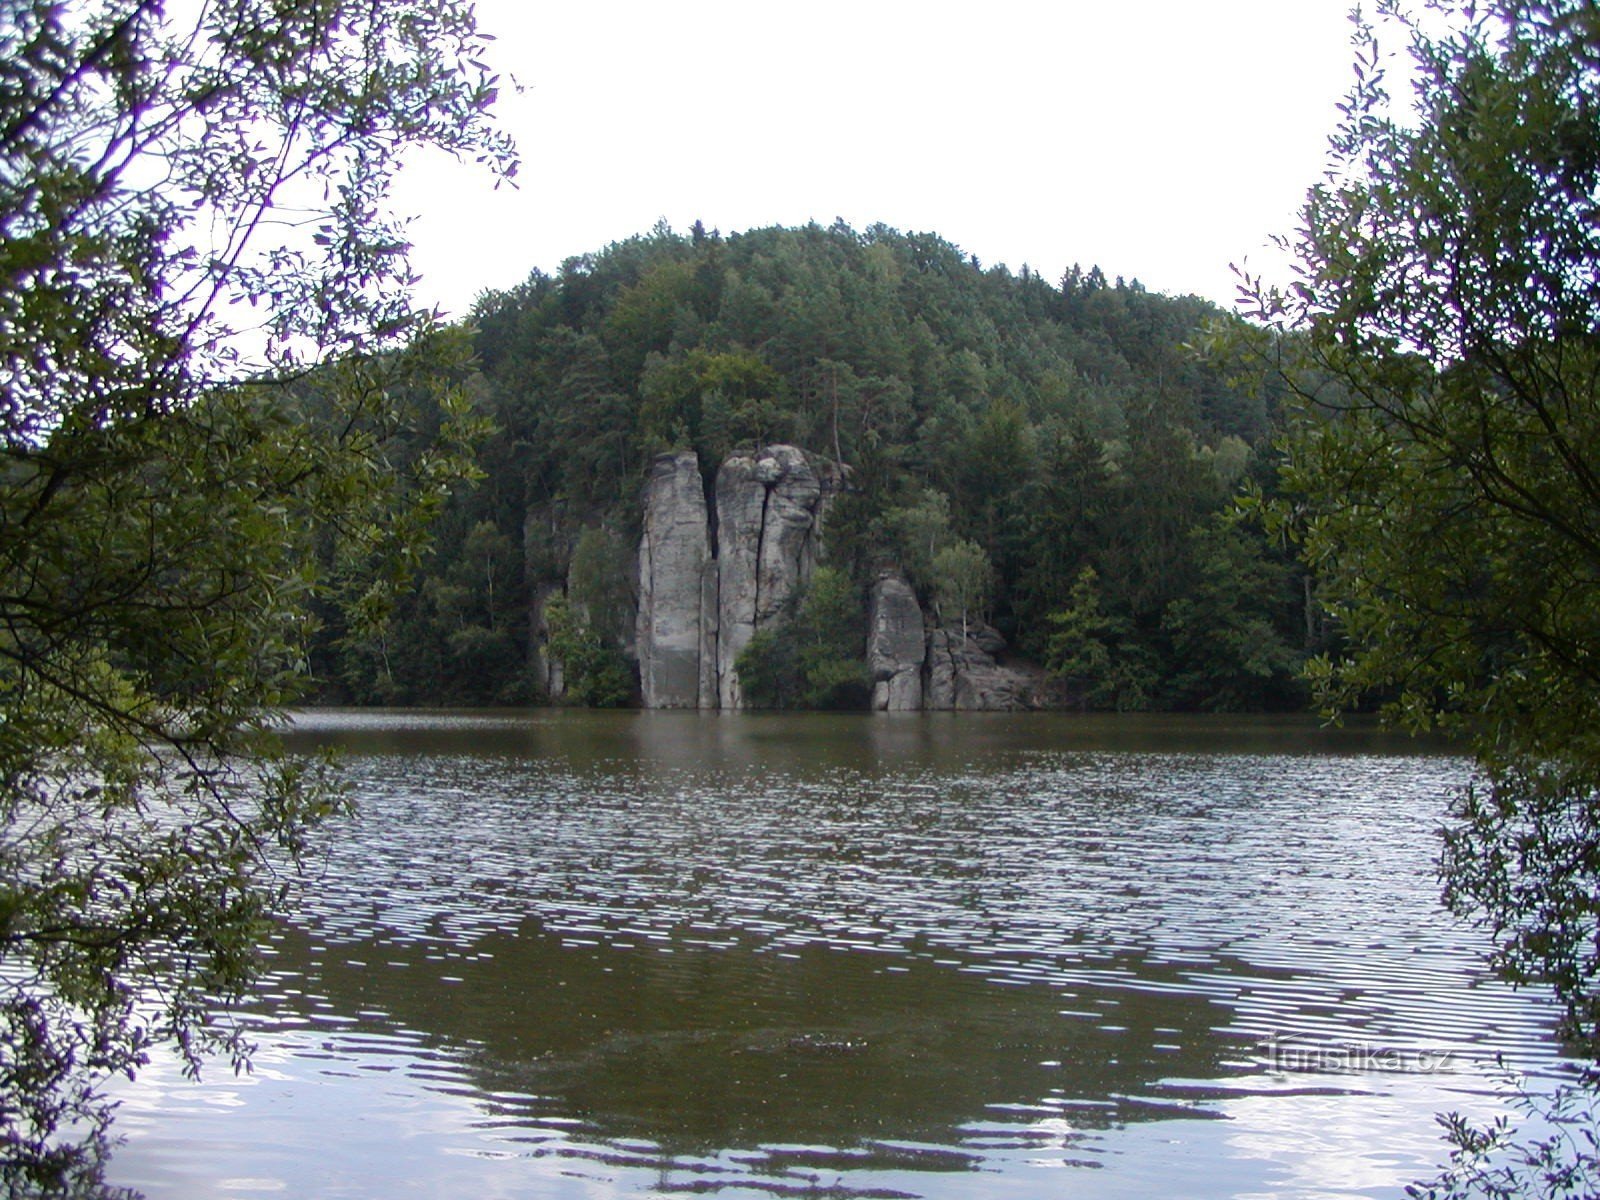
x=1048, y=457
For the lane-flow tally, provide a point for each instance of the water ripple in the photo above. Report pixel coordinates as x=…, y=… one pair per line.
x=1297, y=892
x=883, y=959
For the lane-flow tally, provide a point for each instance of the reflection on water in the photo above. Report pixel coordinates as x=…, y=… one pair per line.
x=594, y=954
x=703, y=1049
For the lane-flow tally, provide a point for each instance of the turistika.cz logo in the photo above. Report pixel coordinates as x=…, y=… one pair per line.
x=1301, y=1055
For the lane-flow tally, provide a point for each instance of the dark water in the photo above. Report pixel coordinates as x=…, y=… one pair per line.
x=591, y=955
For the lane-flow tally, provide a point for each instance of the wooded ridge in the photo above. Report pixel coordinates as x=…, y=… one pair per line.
x=1041, y=472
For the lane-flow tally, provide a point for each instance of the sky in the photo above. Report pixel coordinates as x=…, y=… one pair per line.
x=1163, y=140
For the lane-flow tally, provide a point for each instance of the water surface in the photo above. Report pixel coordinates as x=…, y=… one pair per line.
x=577, y=954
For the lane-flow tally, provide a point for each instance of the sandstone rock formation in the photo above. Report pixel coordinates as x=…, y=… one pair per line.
x=896, y=646
x=962, y=674
x=706, y=588
x=701, y=599
x=675, y=564
x=549, y=673
x=770, y=507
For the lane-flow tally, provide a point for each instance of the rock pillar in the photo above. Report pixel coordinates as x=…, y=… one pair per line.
x=896, y=646
x=674, y=565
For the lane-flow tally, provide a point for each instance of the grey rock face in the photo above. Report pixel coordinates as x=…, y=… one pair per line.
x=962, y=675
x=896, y=646
x=741, y=523
x=674, y=565
x=770, y=508
x=710, y=618
x=697, y=610
x=939, y=683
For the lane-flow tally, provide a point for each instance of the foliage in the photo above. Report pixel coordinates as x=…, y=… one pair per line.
x=596, y=674
x=586, y=626
x=1491, y=1162
x=1050, y=427
x=171, y=482
x=768, y=674
x=1442, y=463
x=815, y=659
x=1096, y=653
x=964, y=579
x=920, y=531
x=712, y=401
x=1223, y=633
x=1071, y=506
x=597, y=581
x=474, y=604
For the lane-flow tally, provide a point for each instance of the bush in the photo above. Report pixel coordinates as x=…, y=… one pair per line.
x=597, y=675
x=815, y=659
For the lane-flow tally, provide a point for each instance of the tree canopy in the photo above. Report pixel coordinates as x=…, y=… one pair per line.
x=191, y=215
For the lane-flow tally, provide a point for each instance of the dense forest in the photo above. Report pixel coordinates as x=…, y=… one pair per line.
x=1049, y=462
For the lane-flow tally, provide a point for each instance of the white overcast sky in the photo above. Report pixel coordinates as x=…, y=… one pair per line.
x=1161, y=139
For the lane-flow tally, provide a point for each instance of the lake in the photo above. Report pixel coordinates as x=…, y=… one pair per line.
x=577, y=954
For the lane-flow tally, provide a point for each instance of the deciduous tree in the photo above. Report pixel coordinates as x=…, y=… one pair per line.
x=191, y=216
x=1444, y=462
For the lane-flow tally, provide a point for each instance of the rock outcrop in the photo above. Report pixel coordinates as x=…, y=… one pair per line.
x=674, y=627
x=897, y=646
x=706, y=588
x=962, y=673
x=702, y=598
x=770, y=507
